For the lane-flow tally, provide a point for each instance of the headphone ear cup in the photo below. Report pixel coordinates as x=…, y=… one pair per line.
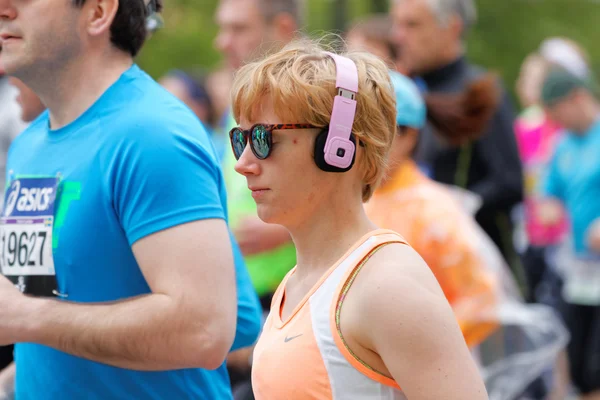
x=319, y=156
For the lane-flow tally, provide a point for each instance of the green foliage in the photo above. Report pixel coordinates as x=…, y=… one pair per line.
x=185, y=41
x=507, y=31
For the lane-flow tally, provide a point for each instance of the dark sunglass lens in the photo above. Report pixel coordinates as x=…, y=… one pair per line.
x=261, y=141
x=238, y=143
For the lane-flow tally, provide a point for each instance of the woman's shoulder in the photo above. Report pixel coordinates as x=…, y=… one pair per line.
x=395, y=294
x=395, y=275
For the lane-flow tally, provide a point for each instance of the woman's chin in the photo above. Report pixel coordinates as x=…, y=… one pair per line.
x=268, y=214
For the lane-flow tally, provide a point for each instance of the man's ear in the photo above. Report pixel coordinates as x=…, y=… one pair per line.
x=101, y=14
x=456, y=27
x=284, y=26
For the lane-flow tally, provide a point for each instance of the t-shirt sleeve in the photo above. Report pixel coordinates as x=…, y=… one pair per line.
x=166, y=178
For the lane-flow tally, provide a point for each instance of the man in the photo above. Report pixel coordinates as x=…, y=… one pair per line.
x=574, y=180
x=121, y=280
x=430, y=38
x=248, y=29
x=191, y=88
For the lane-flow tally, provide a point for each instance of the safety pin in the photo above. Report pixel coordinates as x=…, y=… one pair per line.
x=59, y=294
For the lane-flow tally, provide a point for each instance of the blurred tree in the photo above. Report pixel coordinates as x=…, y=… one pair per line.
x=379, y=6
x=339, y=14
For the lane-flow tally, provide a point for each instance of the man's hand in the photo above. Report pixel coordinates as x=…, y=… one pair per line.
x=549, y=211
x=240, y=359
x=11, y=311
x=254, y=236
x=593, y=236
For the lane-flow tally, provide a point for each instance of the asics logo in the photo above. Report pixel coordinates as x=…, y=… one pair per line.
x=11, y=201
x=27, y=199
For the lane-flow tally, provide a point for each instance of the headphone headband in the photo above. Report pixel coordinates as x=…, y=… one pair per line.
x=346, y=73
x=339, y=150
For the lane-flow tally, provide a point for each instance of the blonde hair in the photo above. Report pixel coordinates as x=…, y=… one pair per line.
x=300, y=80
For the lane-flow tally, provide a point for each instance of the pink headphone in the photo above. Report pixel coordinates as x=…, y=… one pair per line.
x=335, y=147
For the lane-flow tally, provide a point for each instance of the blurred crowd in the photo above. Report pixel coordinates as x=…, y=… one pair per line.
x=528, y=178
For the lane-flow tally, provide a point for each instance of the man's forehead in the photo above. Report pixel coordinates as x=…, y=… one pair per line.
x=412, y=7
x=238, y=10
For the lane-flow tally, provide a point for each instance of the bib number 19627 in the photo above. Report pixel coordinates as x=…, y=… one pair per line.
x=26, y=235
x=26, y=249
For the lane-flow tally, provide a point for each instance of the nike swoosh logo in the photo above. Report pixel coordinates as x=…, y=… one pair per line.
x=287, y=339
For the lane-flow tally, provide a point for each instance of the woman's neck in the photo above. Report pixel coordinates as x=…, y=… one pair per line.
x=328, y=235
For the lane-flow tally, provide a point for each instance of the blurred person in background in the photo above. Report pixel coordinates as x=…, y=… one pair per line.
x=218, y=85
x=10, y=126
x=372, y=34
x=430, y=38
x=537, y=137
x=191, y=88
x=30, y=108
x=573, y=181
x=247, y=29
x=11, y=123
x=31, y=104
x=250, y=29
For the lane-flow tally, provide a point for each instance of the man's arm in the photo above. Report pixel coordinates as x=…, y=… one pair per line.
x=550, y=210
x=249, y=313
x=503, y=186
x=187, y=321
x=593, y=235
x=255, y=236
x=409, y=323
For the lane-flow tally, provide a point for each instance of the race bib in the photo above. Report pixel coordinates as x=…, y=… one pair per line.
x=582, y=282
x=26, y=235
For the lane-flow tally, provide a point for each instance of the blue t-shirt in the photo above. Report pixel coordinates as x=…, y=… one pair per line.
x=136, y=162
x=574, y=178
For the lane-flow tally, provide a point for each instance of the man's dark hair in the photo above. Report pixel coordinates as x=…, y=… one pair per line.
x=128, y=30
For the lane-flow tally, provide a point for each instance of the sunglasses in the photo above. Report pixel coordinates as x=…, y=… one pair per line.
x=261, y=138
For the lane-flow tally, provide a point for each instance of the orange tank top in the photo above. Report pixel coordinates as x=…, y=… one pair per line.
x=305, y=357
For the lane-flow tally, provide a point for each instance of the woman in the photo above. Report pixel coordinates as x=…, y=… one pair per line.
x=361, y=315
